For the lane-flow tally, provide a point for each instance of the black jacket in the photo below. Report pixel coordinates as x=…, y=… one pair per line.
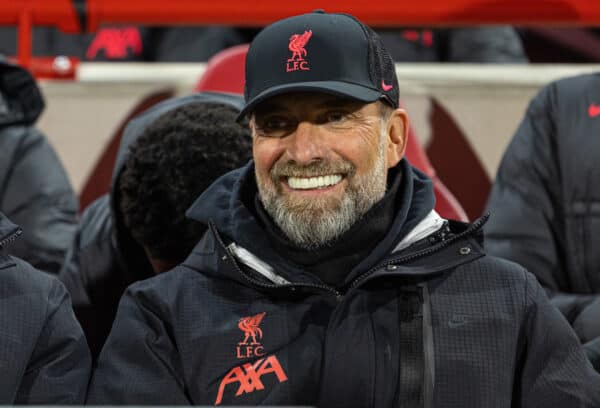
x=104, y=258
x=35, y=191
x=546, y=199
x=44, y=357
x=438, y=324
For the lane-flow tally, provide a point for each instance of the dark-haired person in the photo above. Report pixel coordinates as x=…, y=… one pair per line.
x=44, y=358
x=326, y=277
x=545, y=201
x=35, y=191
x=168, y=156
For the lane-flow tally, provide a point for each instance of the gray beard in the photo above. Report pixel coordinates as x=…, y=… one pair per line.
x=313, y=223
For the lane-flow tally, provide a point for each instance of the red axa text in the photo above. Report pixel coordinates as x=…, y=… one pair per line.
x=116, y=43
x=248, y=376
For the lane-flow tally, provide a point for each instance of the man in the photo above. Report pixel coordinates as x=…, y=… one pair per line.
x=43, y=353
x=326, y=278
x=168, y=156
x=546, y=201
x=35, y=191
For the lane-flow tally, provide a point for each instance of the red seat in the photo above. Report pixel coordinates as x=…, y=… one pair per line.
x=225, y=72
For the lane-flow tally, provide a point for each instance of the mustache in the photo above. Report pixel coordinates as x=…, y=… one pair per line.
x=313, y=169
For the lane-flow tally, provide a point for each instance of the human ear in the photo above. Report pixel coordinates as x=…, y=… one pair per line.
x=397, y=130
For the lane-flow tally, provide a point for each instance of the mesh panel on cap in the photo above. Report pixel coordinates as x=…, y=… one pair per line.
x=381, y=67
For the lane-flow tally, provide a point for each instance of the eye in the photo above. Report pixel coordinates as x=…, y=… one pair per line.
x=335, y=116
x=275, y=123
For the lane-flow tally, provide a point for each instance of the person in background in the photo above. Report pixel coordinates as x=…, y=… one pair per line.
x=169, y=154
x=45, y=358
x=499, y=44
x=325, y=277
x=35, y=191
x=545, y=201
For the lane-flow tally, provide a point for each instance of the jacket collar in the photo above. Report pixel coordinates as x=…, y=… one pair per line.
x=221, y=207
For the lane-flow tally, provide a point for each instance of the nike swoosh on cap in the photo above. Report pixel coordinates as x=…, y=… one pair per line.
x=385, y=87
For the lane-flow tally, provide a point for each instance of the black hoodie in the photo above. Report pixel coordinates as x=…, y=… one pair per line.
x=434, y=324
x=104, y=258
x=35, y=191
x=44, y=358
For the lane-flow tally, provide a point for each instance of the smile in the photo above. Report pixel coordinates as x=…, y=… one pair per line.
x=310, y=183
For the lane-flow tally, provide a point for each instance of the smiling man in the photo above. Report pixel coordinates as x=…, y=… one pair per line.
x=326, y=278
x=321, y=162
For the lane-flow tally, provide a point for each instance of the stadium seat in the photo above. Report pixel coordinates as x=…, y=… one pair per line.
x=225, y=73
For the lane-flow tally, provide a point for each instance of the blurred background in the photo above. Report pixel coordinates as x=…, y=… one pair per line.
x=467, y=68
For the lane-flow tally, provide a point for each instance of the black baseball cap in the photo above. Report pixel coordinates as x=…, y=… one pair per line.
x=322, y=52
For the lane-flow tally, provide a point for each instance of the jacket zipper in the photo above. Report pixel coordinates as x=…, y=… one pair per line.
x=417, y=255
x=249, y=279
x=338, y=295
x=11, y=238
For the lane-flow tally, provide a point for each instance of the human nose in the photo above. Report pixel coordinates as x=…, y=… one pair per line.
x=306, y=145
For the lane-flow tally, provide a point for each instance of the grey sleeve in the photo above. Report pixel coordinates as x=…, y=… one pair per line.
x=37, y=195
x=139, y=363
x=485, y=45
x=59, y=368
x=555, y=371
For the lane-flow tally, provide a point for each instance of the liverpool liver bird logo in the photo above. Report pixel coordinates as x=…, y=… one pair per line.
x=249, y=325
x=296, y=46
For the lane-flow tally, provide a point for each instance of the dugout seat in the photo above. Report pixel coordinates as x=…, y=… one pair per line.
x=225, y=72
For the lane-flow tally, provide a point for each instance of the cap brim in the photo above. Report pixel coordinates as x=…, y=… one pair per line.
x=343, y=89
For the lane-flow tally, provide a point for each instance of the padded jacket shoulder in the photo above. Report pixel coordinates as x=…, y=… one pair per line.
x=35, y=191
x=545, y=202
x=43, y=352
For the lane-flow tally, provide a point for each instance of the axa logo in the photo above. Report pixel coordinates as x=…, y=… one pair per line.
x=248, y=376
x=116, y=43
x=297, y=43
x=250, y=346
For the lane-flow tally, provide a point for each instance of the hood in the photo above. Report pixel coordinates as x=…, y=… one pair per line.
x=137, y=125
x=136, y=259
x=21, y=101
x=223, y=204
x=8, y=231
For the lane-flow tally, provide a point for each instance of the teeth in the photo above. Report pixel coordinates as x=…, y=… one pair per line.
x=307, y=183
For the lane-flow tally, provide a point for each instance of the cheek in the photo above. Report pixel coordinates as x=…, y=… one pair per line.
x=266, y=152
x=361, y=150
